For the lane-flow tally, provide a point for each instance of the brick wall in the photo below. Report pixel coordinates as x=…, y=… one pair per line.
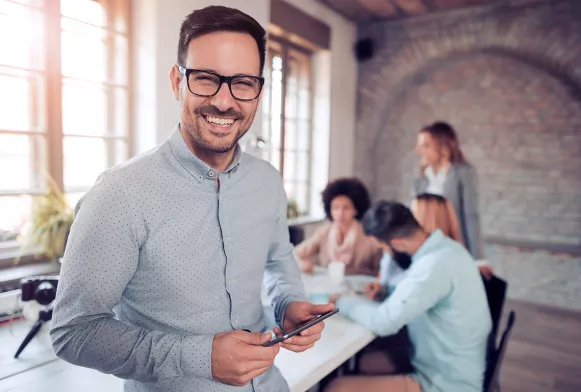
x=509, y=79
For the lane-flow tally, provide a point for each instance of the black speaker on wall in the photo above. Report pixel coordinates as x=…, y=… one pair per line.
x=364, y=49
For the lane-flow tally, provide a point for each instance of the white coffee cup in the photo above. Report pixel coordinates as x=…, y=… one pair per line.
x=336, y=272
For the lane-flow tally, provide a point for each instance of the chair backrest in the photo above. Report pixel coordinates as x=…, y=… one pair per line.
x=495, y=362
x=496, y=294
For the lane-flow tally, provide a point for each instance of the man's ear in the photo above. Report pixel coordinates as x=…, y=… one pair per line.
x=385, y=247
x=175, y=77
x=398, y=244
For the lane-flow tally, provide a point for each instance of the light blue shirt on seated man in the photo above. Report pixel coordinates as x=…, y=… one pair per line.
x=160, y=259
x=442, y=301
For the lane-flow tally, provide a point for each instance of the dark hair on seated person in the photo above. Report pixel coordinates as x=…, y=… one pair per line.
x=387, y=220
x=351, y=187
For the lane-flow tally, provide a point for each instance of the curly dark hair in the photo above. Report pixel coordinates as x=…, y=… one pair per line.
x=351, y=187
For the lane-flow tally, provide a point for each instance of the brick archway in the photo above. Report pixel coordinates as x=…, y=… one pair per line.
x=504, y=35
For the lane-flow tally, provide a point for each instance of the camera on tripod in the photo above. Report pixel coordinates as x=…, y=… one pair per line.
x=41, y=289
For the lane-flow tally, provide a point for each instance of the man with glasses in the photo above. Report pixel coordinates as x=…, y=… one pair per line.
x=161, y=280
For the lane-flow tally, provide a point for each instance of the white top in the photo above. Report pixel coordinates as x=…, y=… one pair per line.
x=436, y=181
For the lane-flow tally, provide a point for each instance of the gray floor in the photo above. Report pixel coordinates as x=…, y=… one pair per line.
x=538, y=276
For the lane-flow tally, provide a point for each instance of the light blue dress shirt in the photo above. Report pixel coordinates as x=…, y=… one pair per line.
x=160, y=259
x=390, y=273
x=442, y=301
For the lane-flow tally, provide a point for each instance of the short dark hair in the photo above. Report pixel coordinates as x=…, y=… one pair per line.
x=351, y=187
x=387, y=220
x=219, y=18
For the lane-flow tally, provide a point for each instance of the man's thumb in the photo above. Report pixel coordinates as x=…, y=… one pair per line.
x=257, y=338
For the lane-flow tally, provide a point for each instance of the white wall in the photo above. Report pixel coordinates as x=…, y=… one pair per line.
x=156, y=26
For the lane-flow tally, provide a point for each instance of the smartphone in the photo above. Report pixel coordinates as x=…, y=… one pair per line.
x=301, y=329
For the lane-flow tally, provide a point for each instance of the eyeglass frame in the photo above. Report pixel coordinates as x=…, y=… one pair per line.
x=223, y=79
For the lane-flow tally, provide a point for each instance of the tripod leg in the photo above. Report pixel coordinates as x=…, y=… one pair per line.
x=33, y=331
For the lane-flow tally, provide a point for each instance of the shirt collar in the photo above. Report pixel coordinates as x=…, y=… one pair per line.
x=442, y=173
x=198, y=168
x=432, y=242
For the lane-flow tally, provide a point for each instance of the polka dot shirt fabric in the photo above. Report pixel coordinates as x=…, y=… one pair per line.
x=160, y=259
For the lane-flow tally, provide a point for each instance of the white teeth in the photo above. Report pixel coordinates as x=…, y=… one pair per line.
x=220, y=121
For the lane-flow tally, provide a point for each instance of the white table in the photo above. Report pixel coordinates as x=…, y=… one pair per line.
x=340, y=340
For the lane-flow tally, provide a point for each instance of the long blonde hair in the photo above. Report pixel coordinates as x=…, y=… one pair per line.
x=435, y=212
x=446, y=138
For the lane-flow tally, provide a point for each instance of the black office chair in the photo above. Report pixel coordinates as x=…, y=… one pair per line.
x=496, y=294
x=496, y=357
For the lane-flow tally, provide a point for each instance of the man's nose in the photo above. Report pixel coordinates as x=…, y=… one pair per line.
x=223, y=99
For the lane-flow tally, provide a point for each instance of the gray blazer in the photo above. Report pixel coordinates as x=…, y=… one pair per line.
x=461, y=188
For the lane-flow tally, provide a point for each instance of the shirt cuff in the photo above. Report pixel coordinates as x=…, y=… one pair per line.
x=197, y=355
x=347, y=304
x=281, y=309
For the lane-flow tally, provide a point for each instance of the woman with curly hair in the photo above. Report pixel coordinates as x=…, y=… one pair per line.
x=345, y=200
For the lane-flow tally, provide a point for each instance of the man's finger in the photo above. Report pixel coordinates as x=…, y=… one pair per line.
x=298, y=349
x=314, y=330
x=254, y=338
x=320, y=309
x=303, y=340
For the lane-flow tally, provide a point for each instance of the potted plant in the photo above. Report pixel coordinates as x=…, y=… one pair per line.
x=296, y=232
x=292, y=209
x=50, y=222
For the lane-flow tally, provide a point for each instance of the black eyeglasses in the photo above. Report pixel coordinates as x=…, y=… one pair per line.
x=207, y=84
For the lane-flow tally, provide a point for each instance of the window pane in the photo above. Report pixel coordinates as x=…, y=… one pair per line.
x=304, y=135
x=275, y=158
x=304, y=112
x=83, y=56
x=120, y=74
x=291, y=93
x=84, y=159
x=121, y=112
x=22, y=160
x=290, y=190
x=16, y=211
x=302, y=173
x=302, y=197
x=27, y=25
x=21, y=100
x=84, y=110
x=290, y=166
x=290, y=135
x=89, y=11
x=15, y=99
x=120, y=153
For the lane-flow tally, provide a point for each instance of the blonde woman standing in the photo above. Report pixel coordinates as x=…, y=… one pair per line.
x=445, y=172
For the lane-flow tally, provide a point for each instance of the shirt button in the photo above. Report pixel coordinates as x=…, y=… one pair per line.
x=211, y=173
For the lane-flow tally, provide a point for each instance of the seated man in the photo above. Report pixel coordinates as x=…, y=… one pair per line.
x=442, y=301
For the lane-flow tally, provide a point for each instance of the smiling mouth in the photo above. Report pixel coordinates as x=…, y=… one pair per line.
x=220, y=121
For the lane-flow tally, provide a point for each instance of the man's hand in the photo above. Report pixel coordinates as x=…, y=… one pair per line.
x=297, y=314
x=334, y=298
x=486, y=271
x=374, y=291
x=307, y=266
x=238, y=357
